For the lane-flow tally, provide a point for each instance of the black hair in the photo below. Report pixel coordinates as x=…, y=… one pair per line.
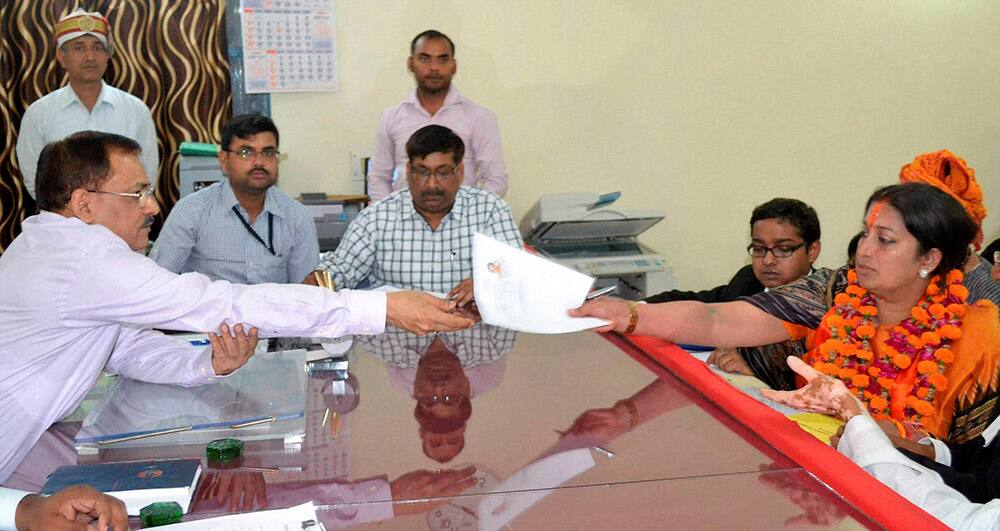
x=802, y=216
x=934, y=218
x=245, y=126
x=435, y=139
x=430, y=34
x=852, y=247
x=81, y=160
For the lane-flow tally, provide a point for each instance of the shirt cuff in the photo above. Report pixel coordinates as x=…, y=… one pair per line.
x=942, y=454
x=372, y=502
x=9, y=500
x=866, y=444
x=366, y=311
x=203, y=371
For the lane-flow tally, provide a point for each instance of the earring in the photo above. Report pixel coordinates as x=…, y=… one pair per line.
x=924, y=273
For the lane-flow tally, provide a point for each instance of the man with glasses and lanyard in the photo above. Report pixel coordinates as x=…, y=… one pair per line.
x=784, y=243
x=420, y=237
x=241, y=229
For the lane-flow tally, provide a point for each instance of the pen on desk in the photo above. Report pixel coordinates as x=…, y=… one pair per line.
x=144, y=435
x=601, y=292
x=264, y=420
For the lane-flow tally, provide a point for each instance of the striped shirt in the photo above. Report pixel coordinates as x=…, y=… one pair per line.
x=390, y=243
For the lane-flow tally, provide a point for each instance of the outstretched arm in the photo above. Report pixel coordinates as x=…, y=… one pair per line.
x=729, y=324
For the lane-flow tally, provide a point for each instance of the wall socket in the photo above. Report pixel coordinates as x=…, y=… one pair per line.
x=357, y=166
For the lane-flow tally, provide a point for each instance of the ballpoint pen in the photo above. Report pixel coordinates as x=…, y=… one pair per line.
x=601, y=292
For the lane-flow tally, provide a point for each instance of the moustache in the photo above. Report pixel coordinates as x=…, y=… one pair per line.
x=431, y=194
x=148, y=222
x=260, y=170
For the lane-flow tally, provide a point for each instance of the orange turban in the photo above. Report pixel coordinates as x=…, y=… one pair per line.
x=944, y=170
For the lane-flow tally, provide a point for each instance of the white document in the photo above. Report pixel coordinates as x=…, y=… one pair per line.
x=290, y=519
x=529, y=485
x=521, y=291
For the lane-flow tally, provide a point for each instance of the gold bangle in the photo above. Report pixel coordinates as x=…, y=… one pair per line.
x=633, y=317
x=633, y=412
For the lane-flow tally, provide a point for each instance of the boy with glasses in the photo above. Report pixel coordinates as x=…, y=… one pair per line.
x=784, y=243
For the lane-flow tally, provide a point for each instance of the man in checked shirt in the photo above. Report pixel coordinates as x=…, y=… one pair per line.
x=420, y=237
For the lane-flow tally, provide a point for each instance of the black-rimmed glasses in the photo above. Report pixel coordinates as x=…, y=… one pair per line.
x=779, y=251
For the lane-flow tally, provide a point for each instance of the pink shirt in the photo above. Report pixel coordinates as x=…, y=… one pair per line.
x=475, y=125
x=75, y=300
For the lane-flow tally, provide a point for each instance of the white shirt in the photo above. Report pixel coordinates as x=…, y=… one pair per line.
x=9, y=498
x=865, y=443
x=76, y=300
x=60, y=113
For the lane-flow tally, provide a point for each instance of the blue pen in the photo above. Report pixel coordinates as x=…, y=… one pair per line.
x=200, y=342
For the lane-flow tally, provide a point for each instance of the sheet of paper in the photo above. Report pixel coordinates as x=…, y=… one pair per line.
x=521, y=291
x=290, y=519
x=529, y=485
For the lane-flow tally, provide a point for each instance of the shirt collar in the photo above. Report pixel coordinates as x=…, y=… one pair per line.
x=458, y=210
x=454, y=97
x=69, y=96
x=228, y=199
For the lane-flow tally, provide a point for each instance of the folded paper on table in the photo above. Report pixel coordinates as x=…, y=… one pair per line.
x=521, y=291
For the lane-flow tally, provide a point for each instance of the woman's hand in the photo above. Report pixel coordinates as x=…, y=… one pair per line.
x=822, y=394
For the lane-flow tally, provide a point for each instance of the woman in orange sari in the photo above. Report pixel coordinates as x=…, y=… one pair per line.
x=901, y=335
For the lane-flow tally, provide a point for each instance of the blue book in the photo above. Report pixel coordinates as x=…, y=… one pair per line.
x=137, y=483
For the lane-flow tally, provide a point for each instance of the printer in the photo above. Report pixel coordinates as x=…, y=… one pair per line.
x=332, y=214
x=583, y=232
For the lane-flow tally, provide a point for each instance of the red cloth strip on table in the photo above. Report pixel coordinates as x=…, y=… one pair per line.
x=878, y=502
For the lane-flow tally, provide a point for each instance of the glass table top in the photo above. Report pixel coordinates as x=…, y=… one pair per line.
x=505, y=403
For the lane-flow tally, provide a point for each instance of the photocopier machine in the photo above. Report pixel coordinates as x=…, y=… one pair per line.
x=584, y=232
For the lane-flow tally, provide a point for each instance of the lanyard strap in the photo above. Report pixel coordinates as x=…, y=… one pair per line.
x=270, y=230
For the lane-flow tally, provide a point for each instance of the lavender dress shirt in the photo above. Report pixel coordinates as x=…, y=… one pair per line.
x=75, y=300
x=475, y=125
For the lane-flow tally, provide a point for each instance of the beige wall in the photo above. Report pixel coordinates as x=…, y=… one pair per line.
x=703, y=109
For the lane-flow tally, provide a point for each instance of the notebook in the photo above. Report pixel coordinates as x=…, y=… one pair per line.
x=137, y=483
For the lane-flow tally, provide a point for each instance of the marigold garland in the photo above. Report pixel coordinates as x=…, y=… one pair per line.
x=924, y=338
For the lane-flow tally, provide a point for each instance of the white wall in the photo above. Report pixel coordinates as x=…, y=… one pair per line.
x=703, y=109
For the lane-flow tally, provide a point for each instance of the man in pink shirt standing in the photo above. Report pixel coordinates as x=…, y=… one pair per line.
x=436, y=101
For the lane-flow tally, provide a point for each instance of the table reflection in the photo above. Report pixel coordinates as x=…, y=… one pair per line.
x=442, y=373
x=490, y=409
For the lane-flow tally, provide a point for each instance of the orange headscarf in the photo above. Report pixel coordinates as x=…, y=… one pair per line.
x=944, y=170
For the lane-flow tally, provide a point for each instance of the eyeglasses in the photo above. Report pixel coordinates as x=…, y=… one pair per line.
x=429, y=401
x=250, y=153
x=140, y=197
x=779, y=251
x=442, y=174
